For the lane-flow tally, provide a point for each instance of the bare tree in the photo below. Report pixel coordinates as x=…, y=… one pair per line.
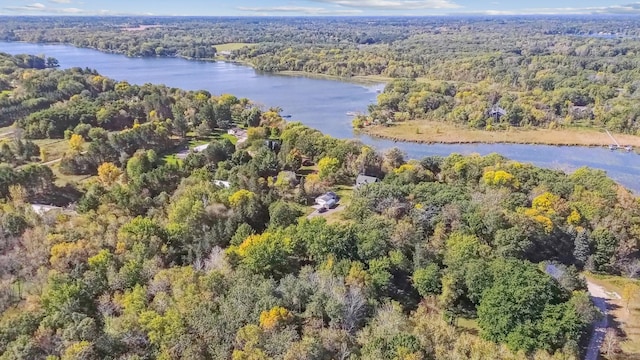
x=631, y=268
x=611, y=343
x=216, y=260
x=354, y=309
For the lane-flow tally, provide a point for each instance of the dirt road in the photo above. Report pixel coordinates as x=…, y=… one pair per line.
x=600, y=298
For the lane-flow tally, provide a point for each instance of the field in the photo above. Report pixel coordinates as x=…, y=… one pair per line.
x=626, y=320
x=369, y=79
x=230, y=46
x=438, y=132
x=54, y=148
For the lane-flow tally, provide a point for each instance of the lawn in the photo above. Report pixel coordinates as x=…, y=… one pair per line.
x=469, y=325
x=6, y=131
x=171, y=159
x=62, y=179
x=441, y=132
x=233, y=139
x=626, y=320
x=346, y=194
x=54, y=148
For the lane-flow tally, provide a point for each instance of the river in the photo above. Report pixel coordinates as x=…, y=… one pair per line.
x=318, y=103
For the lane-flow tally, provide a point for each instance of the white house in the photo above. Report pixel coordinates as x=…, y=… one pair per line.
x=327, y=200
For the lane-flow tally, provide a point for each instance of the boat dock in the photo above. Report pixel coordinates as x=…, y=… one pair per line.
x=616, y=145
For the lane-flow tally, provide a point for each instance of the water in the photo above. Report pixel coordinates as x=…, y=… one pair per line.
x=318, y=103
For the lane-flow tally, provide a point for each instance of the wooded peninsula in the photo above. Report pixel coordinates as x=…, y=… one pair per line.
x=498, y=75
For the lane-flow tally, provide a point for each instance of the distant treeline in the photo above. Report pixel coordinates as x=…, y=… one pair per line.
x=558, y=71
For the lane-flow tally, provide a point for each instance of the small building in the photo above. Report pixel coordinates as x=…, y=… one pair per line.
x=362, y=180
x=200, y=148
x=497, y=112
x=237, y=132
x=327, y=200
x=222, y=184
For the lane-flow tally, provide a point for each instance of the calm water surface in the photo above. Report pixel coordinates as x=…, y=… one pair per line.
x=321, y=104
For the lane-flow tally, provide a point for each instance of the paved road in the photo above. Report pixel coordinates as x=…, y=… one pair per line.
x=599, y=296
x=326, y=213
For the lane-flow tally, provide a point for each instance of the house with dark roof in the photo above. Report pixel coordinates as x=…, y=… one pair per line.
x=362, y=180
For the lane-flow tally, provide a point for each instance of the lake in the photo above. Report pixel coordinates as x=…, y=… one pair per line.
x=318, y=103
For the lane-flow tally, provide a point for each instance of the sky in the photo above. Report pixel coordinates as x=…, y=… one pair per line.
x=315, y=7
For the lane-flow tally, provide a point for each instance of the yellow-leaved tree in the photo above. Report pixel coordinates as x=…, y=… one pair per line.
x=76, y=143
x=108, y=173
x=277, y=316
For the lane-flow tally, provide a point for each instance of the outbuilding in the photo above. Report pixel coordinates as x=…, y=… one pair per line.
x=362, y=180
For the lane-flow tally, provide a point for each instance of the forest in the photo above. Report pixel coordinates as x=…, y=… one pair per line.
x=155, y=257
x=542, y=72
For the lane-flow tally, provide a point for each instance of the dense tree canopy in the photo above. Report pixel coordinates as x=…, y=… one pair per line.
x=212, y=256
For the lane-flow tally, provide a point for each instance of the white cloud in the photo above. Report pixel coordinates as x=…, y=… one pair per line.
x=41, y=9
x=628, y=9
x=394, y=4
x=299, y=10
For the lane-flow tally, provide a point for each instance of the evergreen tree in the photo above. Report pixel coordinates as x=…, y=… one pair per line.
x=581, y=249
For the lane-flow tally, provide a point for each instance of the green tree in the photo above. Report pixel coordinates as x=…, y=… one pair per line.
x=427, y=280
x=283, y=214
x=516, y=301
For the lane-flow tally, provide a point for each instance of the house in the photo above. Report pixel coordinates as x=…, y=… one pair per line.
x=237, y=132
x=497, y=112
x=365, y=180
x=200, y=148
x=327, y=200
x=222, y=184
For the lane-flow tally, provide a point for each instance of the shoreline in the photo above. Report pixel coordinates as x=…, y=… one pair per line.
x=361, y=79
x=452, y=134
x=455, y=135
x=358, y=79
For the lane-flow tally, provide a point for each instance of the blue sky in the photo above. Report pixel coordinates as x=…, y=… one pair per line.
x=314, y=7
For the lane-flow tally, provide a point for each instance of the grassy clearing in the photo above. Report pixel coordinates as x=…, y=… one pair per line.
x=469, y=325
x=62, y=179
x=439, y=132
x=346, y=194
x=369, y=79
x=231, y=46
x=626, y=320
x=54, y=148
x=233, y=139
x=7, y=131
x=171, y=159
